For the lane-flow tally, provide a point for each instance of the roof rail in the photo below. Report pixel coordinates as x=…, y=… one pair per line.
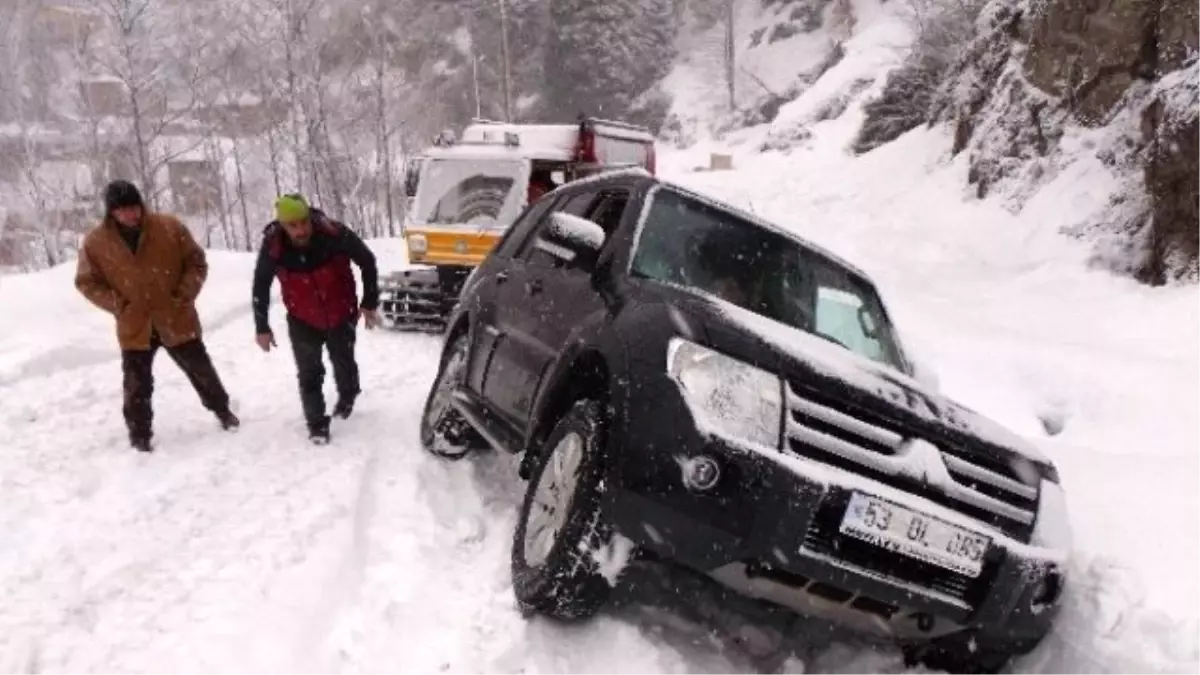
x=615, y=123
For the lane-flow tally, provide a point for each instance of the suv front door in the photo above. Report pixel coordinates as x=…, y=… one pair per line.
x=544, y=299
x=506, y=384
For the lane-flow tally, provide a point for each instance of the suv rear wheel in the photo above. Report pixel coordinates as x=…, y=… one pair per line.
x=554, y=570
x=444, y=430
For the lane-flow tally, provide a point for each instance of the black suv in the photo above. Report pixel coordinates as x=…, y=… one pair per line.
x=730, y=397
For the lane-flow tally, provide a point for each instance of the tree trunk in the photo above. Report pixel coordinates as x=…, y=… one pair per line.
x=293, y=99
x=241, y=191
x=730, y=53
x=507, y=81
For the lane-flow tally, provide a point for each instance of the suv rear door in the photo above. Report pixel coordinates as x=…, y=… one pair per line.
x=542, y=301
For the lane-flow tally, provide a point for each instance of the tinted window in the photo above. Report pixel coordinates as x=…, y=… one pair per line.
x=608, y=211
x=692, y=244
x=510, y=243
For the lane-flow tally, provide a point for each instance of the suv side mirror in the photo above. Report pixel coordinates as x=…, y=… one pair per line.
x=572, y=239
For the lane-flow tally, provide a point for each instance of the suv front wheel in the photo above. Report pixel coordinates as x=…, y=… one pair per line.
x=554, y=567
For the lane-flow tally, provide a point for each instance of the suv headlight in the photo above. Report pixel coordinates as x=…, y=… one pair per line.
x=417, y=244
x=726, y=395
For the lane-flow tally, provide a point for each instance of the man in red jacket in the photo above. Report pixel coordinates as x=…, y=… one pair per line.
x=311, y=255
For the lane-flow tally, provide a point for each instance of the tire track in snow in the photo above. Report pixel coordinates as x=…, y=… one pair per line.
x=180, y=545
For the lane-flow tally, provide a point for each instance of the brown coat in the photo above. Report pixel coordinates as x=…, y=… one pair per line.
x=154, y=288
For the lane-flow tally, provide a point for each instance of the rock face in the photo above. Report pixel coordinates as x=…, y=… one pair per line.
x=1177, y=32
x=1172, y=125
x=1089, y=53
x=1009, y=128
x=1030, y=69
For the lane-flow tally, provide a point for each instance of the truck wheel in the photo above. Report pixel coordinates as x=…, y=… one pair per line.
x=553, y=570
x=444, y=430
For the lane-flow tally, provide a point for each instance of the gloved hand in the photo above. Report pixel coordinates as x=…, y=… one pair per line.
x=371, y=318
x=265, y=341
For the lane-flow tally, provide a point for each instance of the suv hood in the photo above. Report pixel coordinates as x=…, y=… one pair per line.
x=832, y=375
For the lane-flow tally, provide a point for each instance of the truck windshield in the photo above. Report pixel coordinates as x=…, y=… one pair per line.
x=686, y=242
x=479, y=193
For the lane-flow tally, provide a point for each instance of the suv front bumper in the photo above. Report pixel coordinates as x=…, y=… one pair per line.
x=770, y=527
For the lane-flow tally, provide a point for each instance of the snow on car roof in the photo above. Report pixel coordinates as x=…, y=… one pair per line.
x=489, y=151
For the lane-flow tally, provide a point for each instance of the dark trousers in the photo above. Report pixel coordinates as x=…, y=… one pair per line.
x=307, y=344
x=138, y=368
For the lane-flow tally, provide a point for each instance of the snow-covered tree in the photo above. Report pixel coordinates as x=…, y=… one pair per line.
x=600, y=57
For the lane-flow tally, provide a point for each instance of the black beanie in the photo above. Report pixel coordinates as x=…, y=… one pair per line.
x=121, y=193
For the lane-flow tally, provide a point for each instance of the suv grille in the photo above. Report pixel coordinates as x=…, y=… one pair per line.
x=853, y=439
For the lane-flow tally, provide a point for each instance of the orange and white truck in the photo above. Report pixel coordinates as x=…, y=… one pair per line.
x=465, y=192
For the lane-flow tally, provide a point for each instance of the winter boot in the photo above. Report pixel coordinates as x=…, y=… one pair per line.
x=344, y=407
x=228, y=420
x=141, y=443
x=318, y=431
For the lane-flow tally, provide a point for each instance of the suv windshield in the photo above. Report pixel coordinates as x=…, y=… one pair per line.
x=482, y=193
x=689, y=243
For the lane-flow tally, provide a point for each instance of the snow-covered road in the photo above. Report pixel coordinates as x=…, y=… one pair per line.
x=256, y=551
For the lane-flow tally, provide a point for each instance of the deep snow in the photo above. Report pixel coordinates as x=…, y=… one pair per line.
x=257, y=551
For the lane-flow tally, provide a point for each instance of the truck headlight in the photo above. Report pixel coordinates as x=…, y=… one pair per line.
x=417, y=244
x=1052, y=529
x=726, y=395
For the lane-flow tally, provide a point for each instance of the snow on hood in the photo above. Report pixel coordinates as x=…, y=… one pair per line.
x=872, y=378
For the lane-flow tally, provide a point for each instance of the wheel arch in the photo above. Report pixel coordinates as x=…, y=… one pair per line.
x=586, y=372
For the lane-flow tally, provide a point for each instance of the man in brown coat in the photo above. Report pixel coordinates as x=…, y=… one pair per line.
x=146, y=270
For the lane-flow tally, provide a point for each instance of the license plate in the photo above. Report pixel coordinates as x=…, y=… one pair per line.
x=914, y=534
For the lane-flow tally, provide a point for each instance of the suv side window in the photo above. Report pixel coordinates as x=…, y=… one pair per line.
x=511, y=241
x=608, y=209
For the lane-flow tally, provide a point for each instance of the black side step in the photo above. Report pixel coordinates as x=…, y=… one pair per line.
x=494, y=430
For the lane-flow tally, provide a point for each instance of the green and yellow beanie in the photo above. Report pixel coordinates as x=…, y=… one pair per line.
x=291, y=208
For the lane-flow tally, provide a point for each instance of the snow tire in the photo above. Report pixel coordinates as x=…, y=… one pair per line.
x=455, y=438
x=567, y=585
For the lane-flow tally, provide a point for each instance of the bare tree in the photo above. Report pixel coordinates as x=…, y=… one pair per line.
x=730, y=52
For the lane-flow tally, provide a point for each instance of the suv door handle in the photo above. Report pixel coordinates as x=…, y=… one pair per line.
x=534, y=286
x=501, y=277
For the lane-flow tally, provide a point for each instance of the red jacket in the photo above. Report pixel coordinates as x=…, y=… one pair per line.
x=315, y=280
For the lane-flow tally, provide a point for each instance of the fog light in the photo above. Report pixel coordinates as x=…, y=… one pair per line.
x=701, y=473
x=1049, y=589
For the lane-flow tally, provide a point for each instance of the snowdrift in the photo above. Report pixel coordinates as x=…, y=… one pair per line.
x=256, y=551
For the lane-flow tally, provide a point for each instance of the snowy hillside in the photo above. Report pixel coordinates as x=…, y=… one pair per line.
x=258, y=551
